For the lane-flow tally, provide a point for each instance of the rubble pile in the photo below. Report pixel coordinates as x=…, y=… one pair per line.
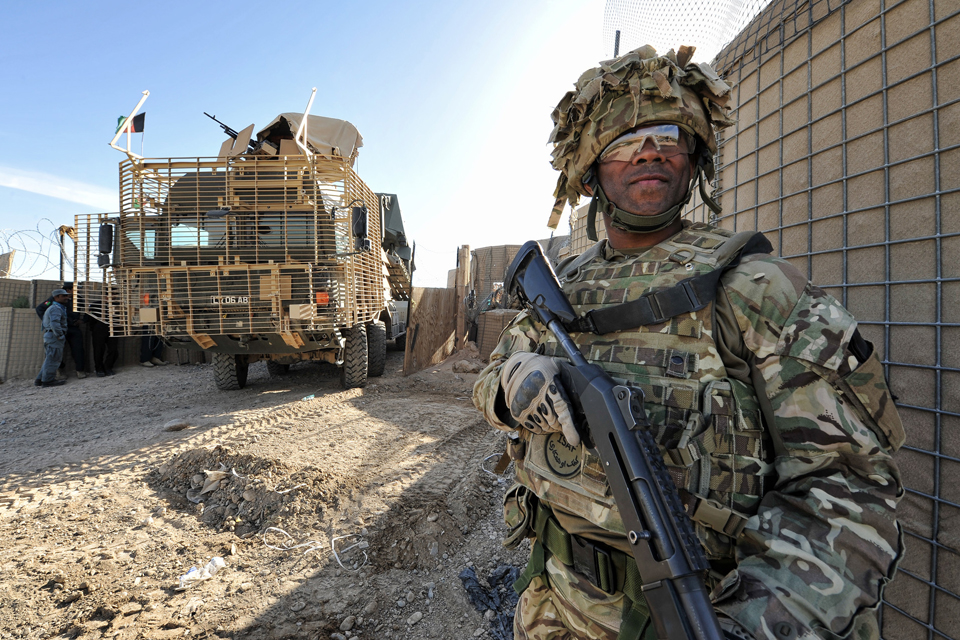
x=245, y=494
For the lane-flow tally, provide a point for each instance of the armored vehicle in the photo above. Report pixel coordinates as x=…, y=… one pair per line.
x=274, y=250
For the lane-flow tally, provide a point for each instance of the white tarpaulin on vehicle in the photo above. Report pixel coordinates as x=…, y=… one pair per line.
x=328, y=136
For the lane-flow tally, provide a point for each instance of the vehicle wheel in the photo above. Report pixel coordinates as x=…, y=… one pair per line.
x=376, y=349
x=230, y=371
x=243, y=366
x=353, y=372
x=276, y=369
x=401, y=342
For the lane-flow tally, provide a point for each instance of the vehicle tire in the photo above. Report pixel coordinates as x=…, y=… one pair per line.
x=401, y=342
x=230, y=371
x=243, y=366
x=353, y=372
x=276, y=370
x=376, y=349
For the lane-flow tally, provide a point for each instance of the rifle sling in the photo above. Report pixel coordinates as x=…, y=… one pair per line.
x=656, y=307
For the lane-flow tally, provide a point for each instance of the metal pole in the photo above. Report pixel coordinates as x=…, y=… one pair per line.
x=463, y=280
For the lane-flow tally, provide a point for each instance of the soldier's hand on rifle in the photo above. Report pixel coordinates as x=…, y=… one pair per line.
x=535, y=397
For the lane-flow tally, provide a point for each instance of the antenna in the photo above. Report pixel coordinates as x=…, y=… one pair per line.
x=302, y=130
x=126, y=127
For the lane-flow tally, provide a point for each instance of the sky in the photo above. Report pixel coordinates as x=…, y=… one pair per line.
x=453, y=101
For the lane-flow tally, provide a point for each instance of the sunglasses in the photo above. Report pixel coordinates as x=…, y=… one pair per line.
x=669, y=139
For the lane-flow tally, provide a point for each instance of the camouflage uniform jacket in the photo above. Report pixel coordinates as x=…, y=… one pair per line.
x=815, y=493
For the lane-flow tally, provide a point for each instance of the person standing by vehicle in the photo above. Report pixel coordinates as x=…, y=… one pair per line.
x=104, y=345
x=54, y=327
x=151, y=348
x=74, y=337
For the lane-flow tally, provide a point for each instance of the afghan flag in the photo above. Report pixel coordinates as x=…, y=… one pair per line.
x=136, y=127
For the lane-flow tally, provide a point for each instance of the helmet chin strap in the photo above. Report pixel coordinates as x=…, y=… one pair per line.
x=634, y=223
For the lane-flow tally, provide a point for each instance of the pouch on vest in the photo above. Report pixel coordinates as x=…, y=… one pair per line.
x=866, y=389
x=519, y=509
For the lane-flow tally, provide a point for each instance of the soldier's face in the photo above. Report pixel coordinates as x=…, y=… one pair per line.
x=649, y=183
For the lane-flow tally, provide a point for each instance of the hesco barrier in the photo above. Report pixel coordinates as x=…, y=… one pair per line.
x=846, y=154
x=489, y=327
x=488, y=265
x=21, y=348
x=21, y=343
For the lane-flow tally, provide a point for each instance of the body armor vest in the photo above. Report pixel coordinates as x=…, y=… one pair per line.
x=709, y=426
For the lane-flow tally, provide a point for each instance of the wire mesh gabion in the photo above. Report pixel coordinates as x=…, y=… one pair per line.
x=708, y=24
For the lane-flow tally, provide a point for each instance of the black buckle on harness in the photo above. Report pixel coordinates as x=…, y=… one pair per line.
x=594, y=562
x=679, y=299
x=656, y=312
x=582, y=324
x=695, y=302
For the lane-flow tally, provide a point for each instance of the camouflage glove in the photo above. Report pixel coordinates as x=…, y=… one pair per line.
x=535, y=396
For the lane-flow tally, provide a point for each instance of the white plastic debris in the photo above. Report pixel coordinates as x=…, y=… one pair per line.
x=288, y=545
x=361, y=544
x=483, y=463
x=195, y=576
x=211, y=482
x=302, y=484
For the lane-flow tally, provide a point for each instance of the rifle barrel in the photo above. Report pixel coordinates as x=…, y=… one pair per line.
x=230, y=131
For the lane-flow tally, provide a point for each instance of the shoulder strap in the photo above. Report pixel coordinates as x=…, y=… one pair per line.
x=691, y=294
x=571, y=264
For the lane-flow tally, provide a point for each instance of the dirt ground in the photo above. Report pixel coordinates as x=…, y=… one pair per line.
x=338, y=514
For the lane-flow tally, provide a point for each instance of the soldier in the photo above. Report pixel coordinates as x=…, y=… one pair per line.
x=771, y=410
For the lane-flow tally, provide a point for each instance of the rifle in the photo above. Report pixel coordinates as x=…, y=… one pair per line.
x=665, y=546
x=231, y=132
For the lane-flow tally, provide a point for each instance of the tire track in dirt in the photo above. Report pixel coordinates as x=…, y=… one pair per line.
x=28, y=491
x=425, y=473
x=24, y=492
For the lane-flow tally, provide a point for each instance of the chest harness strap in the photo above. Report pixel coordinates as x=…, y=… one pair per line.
x=691, y=294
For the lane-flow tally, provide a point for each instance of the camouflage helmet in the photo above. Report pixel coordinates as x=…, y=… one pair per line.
x=622, y=93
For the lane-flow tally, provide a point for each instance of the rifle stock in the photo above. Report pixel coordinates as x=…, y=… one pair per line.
x=668, y=554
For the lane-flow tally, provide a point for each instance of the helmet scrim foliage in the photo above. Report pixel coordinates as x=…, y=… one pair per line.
x=620, y=94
